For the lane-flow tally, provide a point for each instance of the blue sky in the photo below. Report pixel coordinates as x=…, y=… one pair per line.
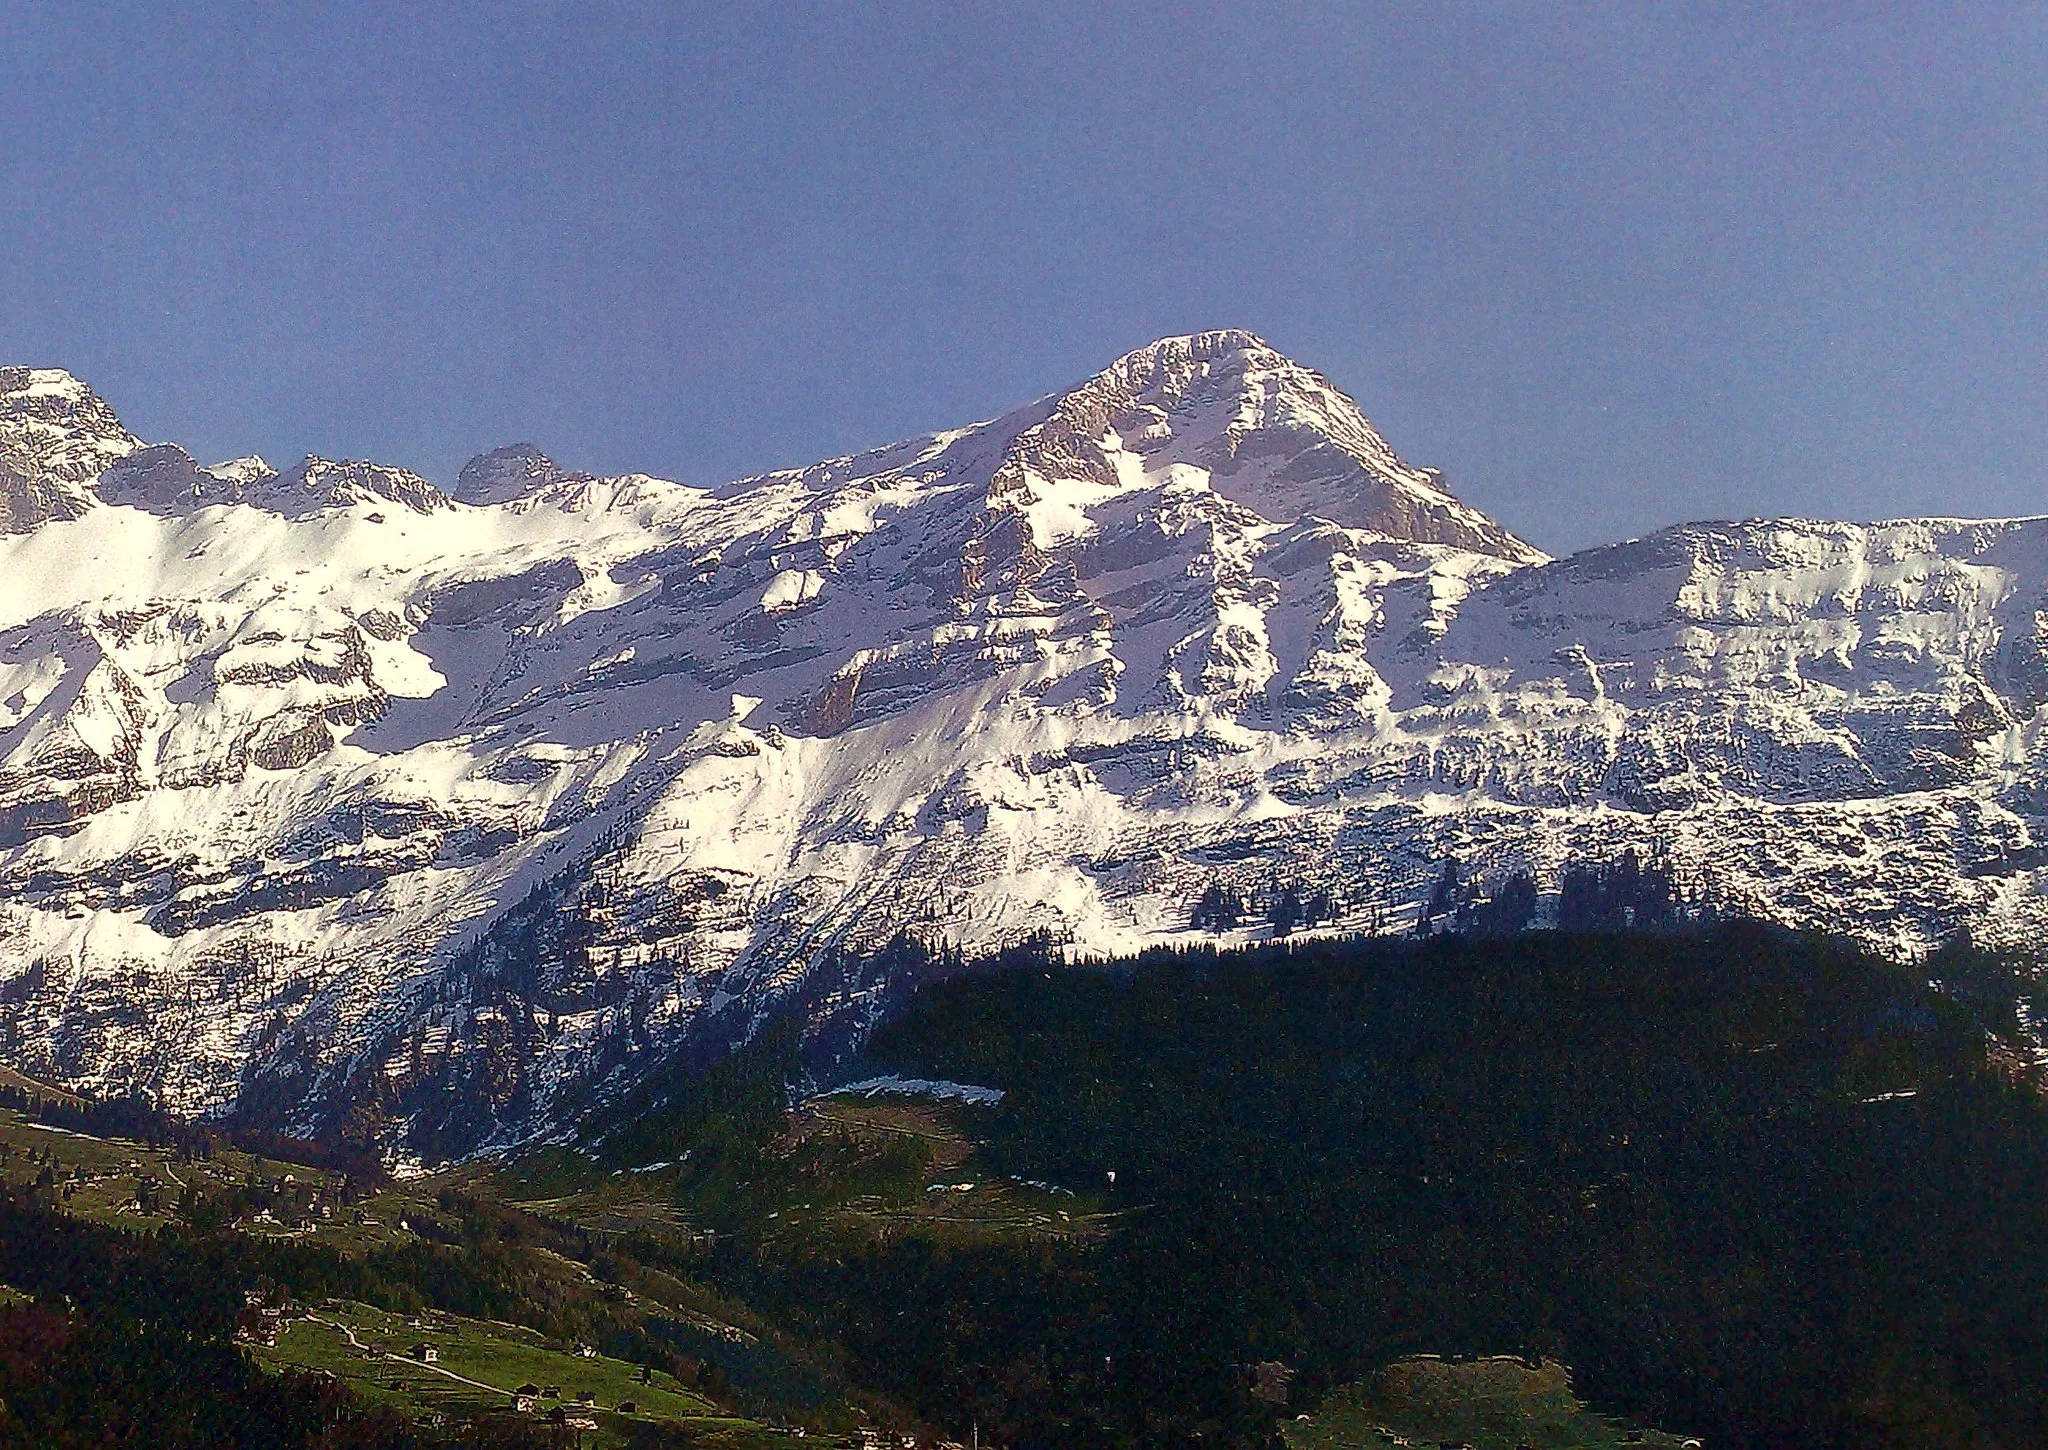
x=1608, y=266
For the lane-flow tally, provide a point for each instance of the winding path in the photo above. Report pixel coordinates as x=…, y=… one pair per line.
x=356, y=1343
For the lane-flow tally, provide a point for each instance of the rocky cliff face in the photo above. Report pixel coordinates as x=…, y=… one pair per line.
x=344, y=802
x=56, y=436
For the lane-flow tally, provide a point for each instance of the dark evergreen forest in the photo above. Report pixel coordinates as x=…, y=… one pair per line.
x=1754, y=1186
x=1761, y=1188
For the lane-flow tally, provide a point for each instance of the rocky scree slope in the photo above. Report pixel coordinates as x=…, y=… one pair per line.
x=341, y=802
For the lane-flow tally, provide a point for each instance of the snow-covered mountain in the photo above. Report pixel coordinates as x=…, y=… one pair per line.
x=346, y=802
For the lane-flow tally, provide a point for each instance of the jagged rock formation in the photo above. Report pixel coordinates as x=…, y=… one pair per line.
x=507, y=474
x=56, y=436
x=344, y=802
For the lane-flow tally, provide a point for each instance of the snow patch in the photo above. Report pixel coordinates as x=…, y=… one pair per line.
x=939, y=1089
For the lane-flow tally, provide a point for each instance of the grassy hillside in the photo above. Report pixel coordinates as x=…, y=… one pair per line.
x=157, y=1297
x=480, y=1368
x=1487, y=1404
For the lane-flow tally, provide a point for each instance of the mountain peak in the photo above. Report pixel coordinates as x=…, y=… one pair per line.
x=508, y=473
x=1196, y=347
x=55, y=428
x=241, y=471
x=164, y=479
x=56, y=436
x=1271, y=435
x=41, y=382
x=161, y=480
x=315, y=483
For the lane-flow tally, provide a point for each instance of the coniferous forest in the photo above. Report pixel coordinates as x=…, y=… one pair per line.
x=1758, y=1188
x=1763, y=1188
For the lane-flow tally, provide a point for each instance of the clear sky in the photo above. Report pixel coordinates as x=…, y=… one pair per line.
x=1608, y=266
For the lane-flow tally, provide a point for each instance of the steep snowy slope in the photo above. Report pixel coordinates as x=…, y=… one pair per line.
x=339, y=800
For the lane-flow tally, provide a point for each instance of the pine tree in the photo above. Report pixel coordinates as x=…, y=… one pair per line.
x=1287, y=911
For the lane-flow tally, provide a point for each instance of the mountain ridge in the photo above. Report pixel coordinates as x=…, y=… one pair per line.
x=334, y=797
